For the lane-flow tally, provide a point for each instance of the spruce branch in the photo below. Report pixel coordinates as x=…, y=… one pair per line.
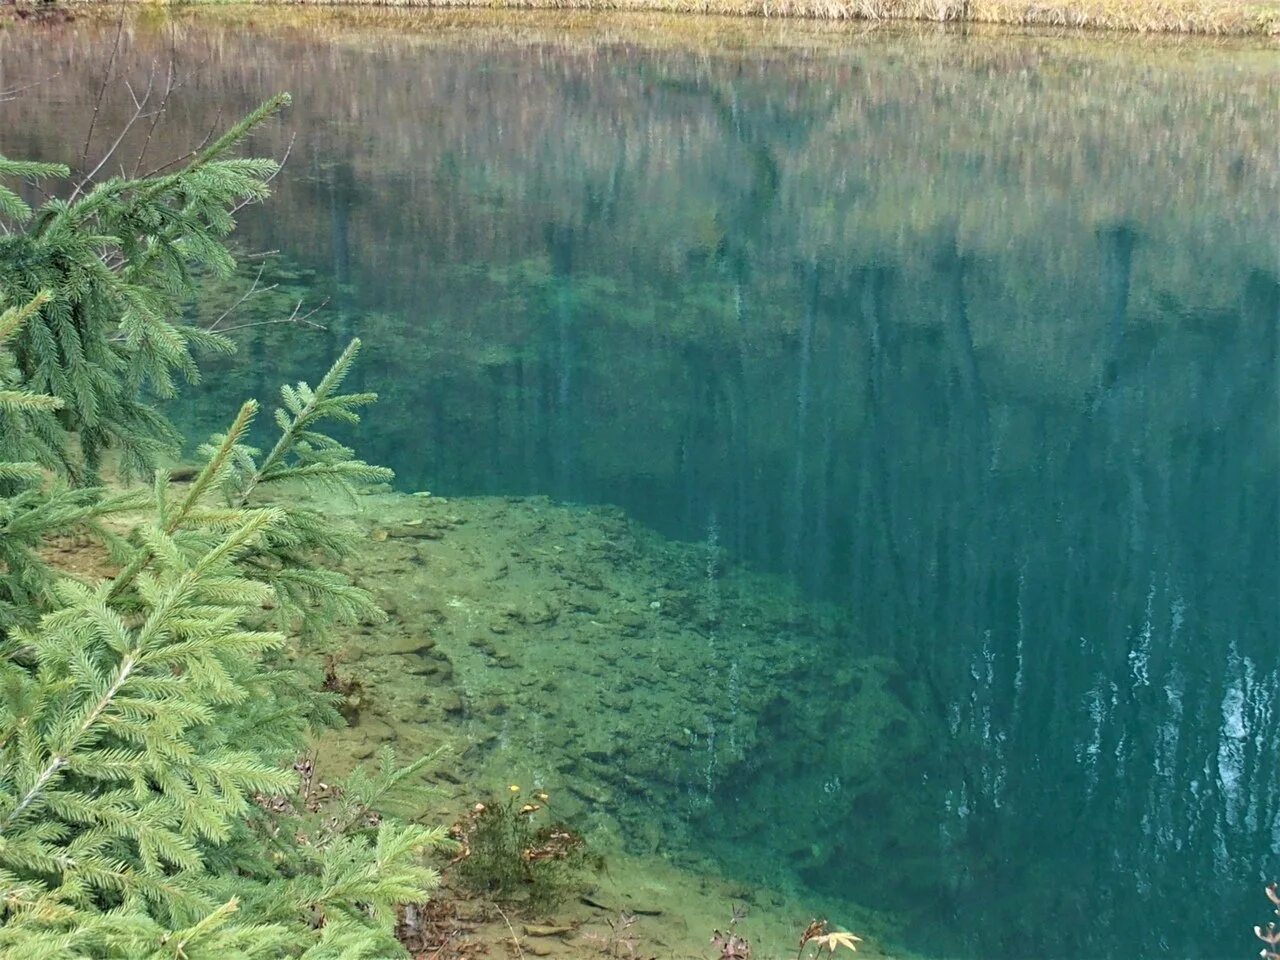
x=118, y=258
x=233, y=136
x=215, y=470
x=12, y=205
x=15, y=317
x=153, y=643
x=144, y=716
x=303, y=408
x=210, y=476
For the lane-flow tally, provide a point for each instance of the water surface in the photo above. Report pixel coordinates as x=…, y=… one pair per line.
x=972, y=334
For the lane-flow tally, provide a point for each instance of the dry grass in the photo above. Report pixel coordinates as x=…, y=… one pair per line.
x=1238, y=18
x=1218, y=17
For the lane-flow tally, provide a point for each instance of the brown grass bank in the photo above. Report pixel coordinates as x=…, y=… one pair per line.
x=1239, y=18
x=1212, y=17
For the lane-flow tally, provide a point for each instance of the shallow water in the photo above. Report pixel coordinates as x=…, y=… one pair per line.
x=974, y=336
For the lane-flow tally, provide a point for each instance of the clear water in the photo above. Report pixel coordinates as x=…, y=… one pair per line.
x=973, y=335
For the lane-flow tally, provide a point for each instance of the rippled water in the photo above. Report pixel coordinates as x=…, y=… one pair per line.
x=974, y=335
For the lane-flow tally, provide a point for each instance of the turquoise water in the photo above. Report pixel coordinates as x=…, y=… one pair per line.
x=974, y=336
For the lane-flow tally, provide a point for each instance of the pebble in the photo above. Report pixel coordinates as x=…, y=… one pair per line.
x=544, y=930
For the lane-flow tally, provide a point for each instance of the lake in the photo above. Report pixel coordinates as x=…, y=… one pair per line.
x=973, y=337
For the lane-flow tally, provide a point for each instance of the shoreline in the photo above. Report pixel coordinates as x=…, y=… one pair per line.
x=1201, y=18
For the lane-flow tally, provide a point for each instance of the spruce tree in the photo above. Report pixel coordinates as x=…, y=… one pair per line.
x=151, y=804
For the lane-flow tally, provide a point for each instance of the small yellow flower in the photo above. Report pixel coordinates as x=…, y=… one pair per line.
x=514, y=788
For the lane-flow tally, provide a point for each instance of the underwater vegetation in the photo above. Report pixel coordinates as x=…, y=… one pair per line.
x=505, y=854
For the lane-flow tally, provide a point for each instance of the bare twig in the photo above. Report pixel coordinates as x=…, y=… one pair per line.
x=102, y=89
x=169, y=87
x=173, y=83
x=253, y=288
x=139, y=111
x=514, y=938
x=12, y=92
x=297, y=318
x=193, y=153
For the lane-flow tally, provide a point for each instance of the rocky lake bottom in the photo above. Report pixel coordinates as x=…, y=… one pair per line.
x=659, y=695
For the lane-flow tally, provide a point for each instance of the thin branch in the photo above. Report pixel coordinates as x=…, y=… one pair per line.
x=297, y=318
x=112, y=258
x=164, y=102
x=12, y=92
x=173, y=83
x=514, y=939
x=102, y=89
x=193, y=153
x=253, y=288
x=138, y=113
x=155, y=119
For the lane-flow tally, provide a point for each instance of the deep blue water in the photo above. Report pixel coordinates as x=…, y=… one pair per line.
x=976, y=336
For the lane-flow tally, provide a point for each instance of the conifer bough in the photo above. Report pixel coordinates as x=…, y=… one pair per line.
x=149, y=802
